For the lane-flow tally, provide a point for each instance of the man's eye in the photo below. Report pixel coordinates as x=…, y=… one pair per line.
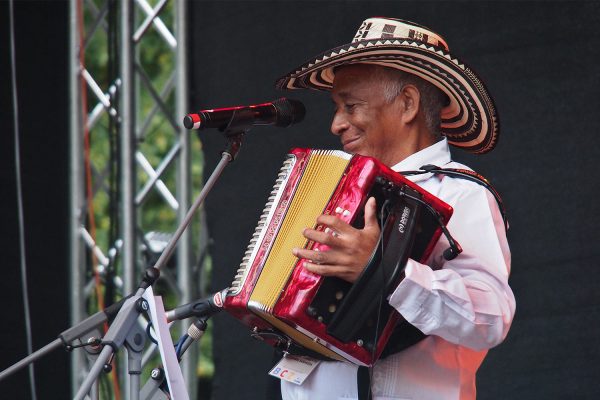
x=349, y=106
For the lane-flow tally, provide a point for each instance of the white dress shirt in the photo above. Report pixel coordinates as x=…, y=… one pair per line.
x=466, y=306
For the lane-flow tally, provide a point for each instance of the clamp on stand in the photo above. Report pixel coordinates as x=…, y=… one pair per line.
x=123, y=328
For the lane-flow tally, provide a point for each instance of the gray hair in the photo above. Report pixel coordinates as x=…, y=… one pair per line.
x=432, y=99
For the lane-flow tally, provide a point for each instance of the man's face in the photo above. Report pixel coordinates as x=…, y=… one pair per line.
x=365, y=121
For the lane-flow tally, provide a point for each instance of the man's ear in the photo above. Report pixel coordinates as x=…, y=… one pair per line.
x=410, y=103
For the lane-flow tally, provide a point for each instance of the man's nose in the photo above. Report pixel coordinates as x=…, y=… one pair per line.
x=339, y=124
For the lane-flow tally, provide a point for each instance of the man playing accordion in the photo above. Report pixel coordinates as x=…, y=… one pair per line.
x=402, y=98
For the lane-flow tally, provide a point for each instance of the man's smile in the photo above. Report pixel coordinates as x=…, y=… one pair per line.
x=347, y=144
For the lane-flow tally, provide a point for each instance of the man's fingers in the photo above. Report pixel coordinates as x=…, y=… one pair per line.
x=326, y=269
x=330, y=238
x=319, y=257
x=334, y=223
x=323, y=270
x=315, y=256
x=349, y=248
x=340, y=226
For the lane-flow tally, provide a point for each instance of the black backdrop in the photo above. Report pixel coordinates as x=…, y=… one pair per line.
x=537, y=59
x=41, y=42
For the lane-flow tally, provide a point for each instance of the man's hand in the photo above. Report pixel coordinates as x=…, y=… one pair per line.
x=349, y=248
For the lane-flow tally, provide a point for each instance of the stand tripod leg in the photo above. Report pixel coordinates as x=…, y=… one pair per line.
x=151, y=390
x=102, y=359
x=134, y=343
x=114, y=338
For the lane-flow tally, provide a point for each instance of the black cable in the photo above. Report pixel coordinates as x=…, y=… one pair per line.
x=149, y=334
x=25, y=290
x=467, y=175
x=113, y=141
x=454, y=246
x=382, y=218
x=94, y=342
x=180, y=344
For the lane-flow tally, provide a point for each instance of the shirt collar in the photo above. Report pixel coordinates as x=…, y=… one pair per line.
x=436, y=154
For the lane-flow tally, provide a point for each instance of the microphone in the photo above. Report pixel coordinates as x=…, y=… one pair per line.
x=281, y=112
x=199, y=308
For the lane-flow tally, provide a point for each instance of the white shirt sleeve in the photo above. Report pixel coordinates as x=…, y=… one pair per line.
x=467, y=301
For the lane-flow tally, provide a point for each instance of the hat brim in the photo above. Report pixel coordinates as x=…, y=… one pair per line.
x=470, y=120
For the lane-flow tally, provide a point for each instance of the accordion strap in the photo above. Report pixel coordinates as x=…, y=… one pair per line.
x=409, y=334
x=463, y=174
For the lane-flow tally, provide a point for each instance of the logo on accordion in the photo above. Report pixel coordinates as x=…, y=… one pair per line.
x=403, y=219
x=277, y=217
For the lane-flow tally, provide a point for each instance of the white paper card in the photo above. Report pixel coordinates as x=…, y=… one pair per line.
x=294, y=369
x=165, y=345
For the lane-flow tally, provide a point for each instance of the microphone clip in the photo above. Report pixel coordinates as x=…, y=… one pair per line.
x=240, y=122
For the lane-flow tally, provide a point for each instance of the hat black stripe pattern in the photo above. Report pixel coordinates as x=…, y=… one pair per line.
x=470, y=121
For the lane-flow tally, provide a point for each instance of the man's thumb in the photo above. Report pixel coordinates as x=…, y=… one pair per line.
x=371, y=213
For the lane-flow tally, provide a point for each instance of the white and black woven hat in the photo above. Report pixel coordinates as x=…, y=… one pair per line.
x=469, y=121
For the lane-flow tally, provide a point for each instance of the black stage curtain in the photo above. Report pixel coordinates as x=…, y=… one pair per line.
x=41, y=32
x=537, y=59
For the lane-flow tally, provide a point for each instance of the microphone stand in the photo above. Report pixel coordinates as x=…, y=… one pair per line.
x=123, y=329
x=117, y=333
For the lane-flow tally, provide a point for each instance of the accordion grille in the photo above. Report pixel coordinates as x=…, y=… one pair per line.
x=259, y=232
x=318, y=183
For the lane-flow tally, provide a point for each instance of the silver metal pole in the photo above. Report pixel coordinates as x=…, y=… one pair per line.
x=127, y=137
x=127, y=218
x=76, y=275
x=95, y=371
x=184, y=189
x=187, y=219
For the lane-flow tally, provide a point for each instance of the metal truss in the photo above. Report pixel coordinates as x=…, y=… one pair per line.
x=141, y=105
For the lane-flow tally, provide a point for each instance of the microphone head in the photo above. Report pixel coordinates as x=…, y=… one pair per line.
x=188, y=122
x=288, y=111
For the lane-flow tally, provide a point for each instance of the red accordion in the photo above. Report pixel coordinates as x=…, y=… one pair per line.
x=285, y=304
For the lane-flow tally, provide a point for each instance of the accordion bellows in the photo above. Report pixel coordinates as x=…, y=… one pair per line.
x=272, y=292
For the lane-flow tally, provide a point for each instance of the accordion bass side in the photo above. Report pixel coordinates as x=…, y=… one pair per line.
x=281, y=301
